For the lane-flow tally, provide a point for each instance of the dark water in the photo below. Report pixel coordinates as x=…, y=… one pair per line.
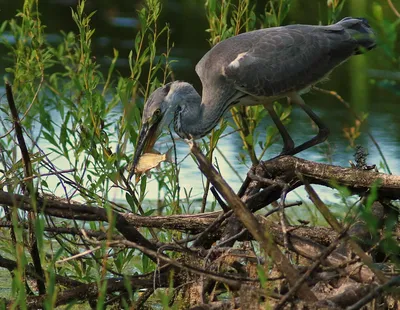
x=116, y=26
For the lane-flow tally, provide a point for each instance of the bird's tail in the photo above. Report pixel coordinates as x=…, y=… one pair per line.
x=361, y=31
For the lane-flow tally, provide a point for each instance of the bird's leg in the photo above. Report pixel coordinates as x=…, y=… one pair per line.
x=323, y=131
x=288, y=144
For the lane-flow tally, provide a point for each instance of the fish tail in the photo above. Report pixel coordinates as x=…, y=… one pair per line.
x=169, y=155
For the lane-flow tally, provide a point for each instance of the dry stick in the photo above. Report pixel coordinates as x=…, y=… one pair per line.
x=289, y=205
x=8, y=132
x=281, y=205
x=393, y=8
x=34, y=251
x=223, y=205
x=44, y=175
x=309, y=271
x=374, y=293
x=200, y=239
x=348, y=107
x=205, y=195
x=249, y=220
x=28, y=109
x=233, y=238
x=333, y=222
x=178, y=187
x=282, y=217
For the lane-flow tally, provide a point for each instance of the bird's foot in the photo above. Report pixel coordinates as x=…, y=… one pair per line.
x=190, y=141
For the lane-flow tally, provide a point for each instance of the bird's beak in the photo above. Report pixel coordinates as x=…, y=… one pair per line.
x=147, y=138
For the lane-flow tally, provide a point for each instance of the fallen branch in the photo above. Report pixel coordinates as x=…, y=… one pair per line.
x=285, y=168
x=77, y=212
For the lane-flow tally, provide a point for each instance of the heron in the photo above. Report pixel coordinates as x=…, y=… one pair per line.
x=255, y=68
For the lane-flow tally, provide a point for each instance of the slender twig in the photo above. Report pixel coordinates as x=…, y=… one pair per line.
x=32, y=177
x=34, y=251
x=324, y=254
x=30, y=271
x=333, y=222
x=34, y=97
x=289, y=205
x=28, y=109
x=281, y=205
x=8, y=132
x=233, y=238
x=282, y=217
x=200, y=239
x=75, y=211
x=223, y=205
x=7, y=210
x=393, y=8
x=78, y=255
x=375, y=293
x=207, y=187
x=269, y=182
x=46, y=162
x=178, y=187
x=18, y=130
x=231, y=280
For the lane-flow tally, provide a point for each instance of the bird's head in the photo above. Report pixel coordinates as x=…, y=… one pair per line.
x=159, y=111
x=153, y=119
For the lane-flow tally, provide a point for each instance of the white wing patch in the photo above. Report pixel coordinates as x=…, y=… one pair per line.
x=236, y=63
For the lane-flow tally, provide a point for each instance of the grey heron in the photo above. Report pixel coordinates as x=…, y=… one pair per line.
x=254, y=68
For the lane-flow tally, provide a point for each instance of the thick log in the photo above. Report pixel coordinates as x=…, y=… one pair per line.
x=286, y=168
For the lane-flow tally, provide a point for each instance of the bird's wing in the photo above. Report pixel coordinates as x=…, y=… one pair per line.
x=285, y=59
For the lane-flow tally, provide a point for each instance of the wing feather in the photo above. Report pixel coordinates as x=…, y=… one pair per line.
x=275, y=61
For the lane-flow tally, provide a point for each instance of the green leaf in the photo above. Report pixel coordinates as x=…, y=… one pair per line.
x=143, y=185
x=49, y=137
x=130, y=201
x=249, y=139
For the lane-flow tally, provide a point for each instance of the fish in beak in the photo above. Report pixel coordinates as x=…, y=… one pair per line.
x=147, y=138
x=152, y=121
x=149, y=161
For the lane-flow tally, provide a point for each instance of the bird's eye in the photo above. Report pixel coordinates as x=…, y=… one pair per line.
x=157, y=112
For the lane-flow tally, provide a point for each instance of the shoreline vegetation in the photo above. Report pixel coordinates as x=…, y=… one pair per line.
x=82, y=249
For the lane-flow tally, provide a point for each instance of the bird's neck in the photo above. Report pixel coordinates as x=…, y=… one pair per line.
x=194, y=118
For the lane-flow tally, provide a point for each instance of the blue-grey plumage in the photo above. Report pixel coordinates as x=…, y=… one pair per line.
x=255, y=68
x=273, y=61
